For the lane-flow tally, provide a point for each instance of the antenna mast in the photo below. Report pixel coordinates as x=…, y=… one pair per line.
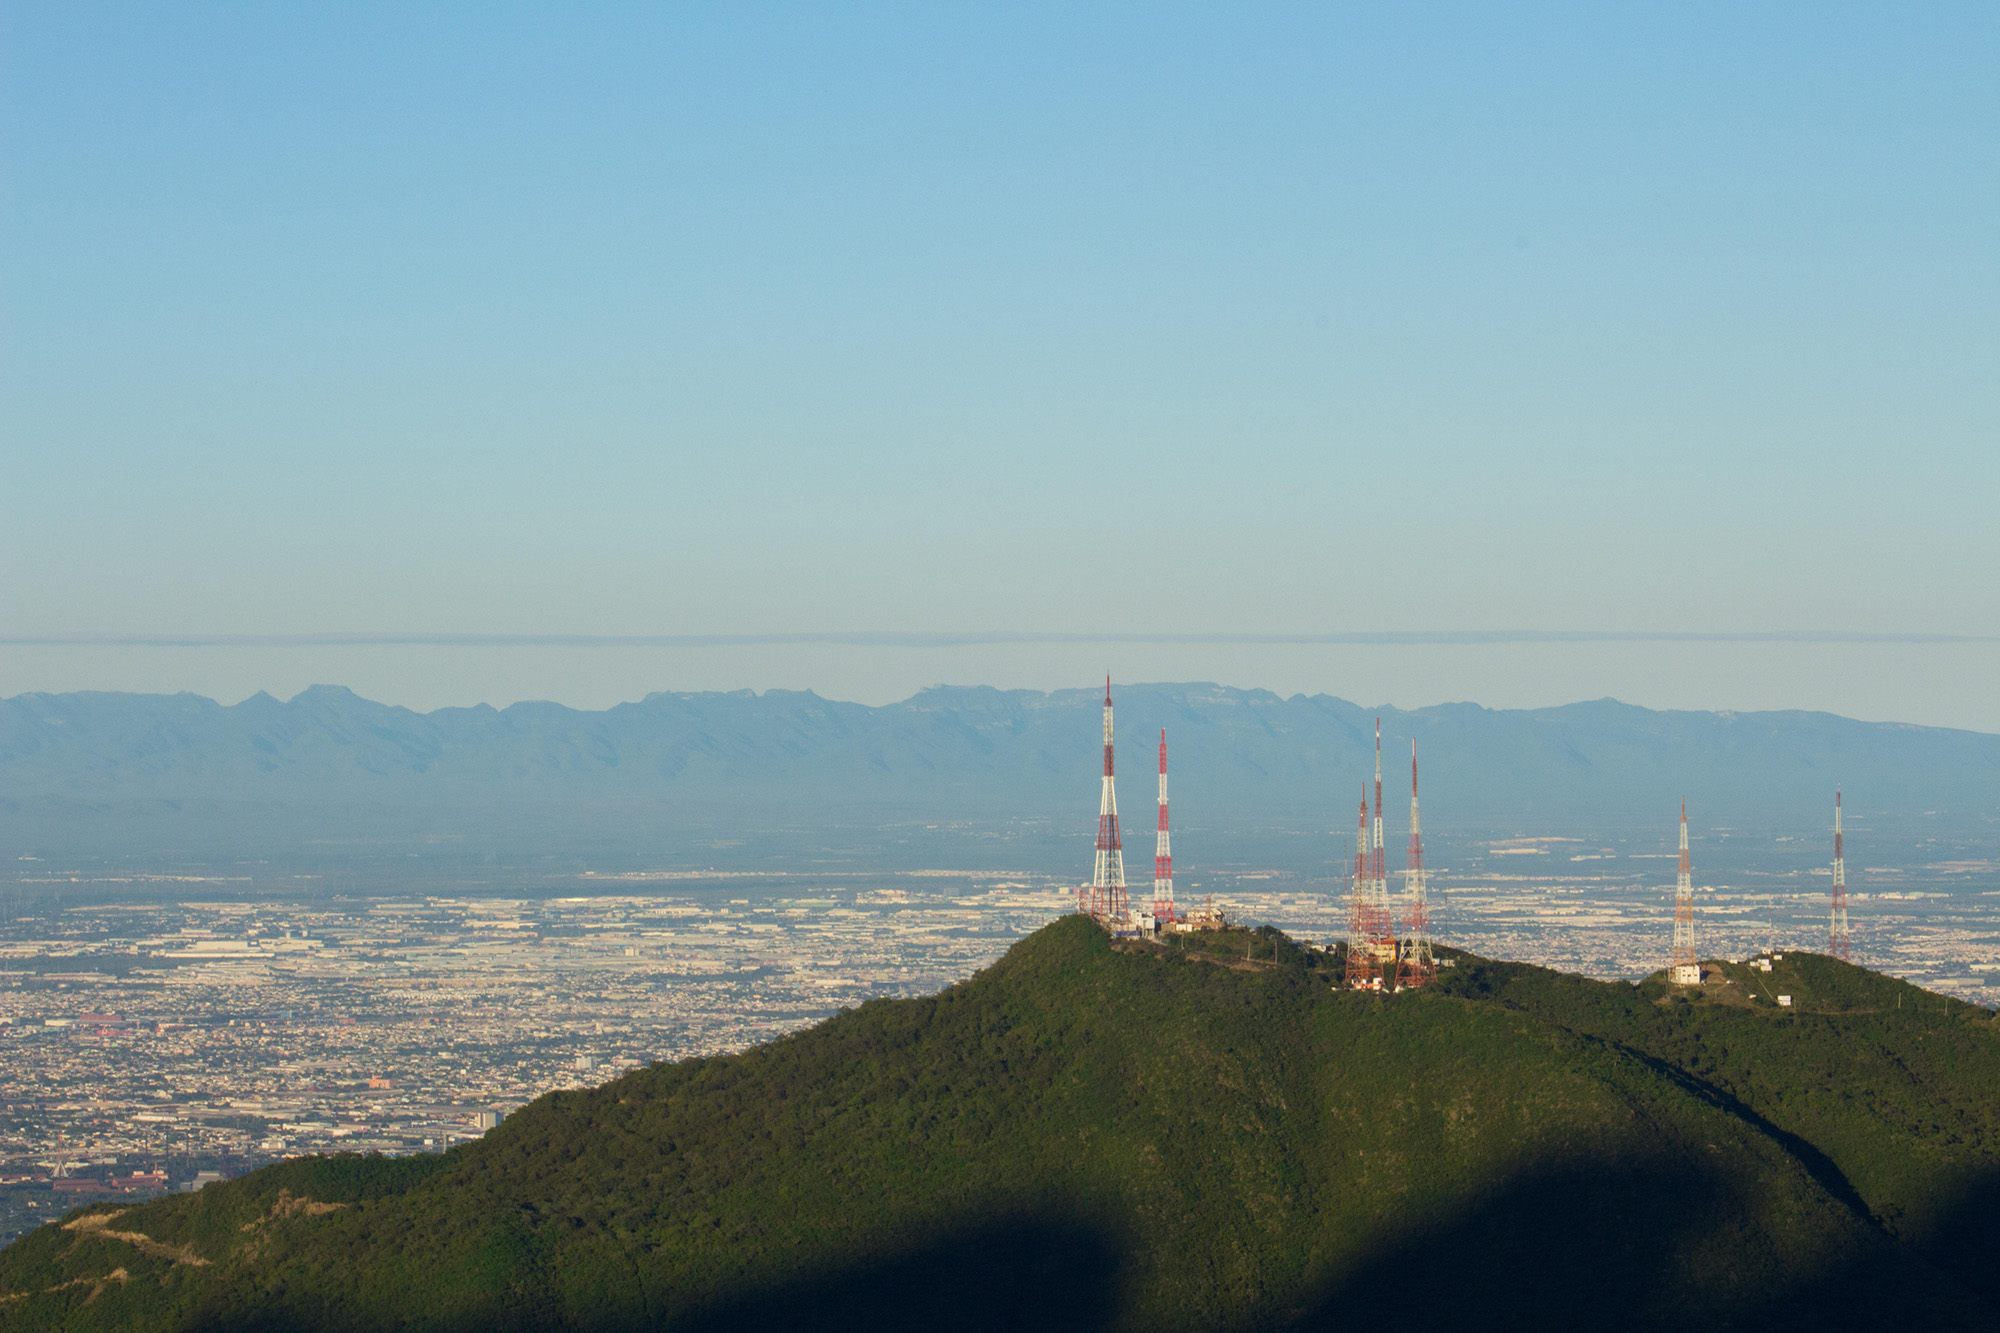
x=1379, y=873
x=1371, y=945
x=1360, y=921
x=1107, y=884
x=1416, y=966
x=1838, y=942
x=1163, y=851
x=1687, y=968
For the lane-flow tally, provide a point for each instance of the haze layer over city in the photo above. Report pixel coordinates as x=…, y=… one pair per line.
x=540, y=542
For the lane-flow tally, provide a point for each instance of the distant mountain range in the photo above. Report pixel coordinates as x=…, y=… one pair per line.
x=978, y=752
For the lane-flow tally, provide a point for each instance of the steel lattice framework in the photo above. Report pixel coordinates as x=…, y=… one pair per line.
x=1839, y=943
x=1686, y=969
x=1378, y=864
x=1105, y=898
x=1163, y=851
x=1360, y=920
x=1416, y=965
x=1371, y=943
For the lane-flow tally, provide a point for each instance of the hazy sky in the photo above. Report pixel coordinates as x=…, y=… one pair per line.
x=1242, y=319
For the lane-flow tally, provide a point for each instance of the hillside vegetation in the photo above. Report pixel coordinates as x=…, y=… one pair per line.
x=1095, y=1135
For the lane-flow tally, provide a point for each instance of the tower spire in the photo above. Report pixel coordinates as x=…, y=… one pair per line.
x=1163, y=851
x=1839, y=944
x=1107, y=883
x=1360, y=919
x=1379, y=865
x=1686, y=969
x=1416, y=965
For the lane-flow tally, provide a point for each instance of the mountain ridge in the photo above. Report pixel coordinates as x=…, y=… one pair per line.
x=955, y=748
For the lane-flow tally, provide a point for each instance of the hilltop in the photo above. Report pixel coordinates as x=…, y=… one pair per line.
x=1092, y=1134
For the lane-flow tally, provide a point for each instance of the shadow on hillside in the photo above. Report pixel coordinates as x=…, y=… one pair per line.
x=1965, y=1236
x=1638, y=1247
x=1023, y=1274
x=1569, y=1247
x=1606, y=1246
x=1817, y=1164
x=1628, y=1245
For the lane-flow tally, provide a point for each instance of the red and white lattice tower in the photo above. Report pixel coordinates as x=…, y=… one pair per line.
x=1838, y=942
x=1415, y=964
x=1107, y=883
x=1371, y=939
x=1163, y=851
x=1686, y=970
x=1360, y=919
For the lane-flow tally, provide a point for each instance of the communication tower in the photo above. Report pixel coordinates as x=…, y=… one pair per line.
x=1686, y=968
x=1416, y=965
x=1163, y=852
x=1360, y=919
x=1379, y=866
x=1106, y=895
x=1838, y=942
x=1371, y=940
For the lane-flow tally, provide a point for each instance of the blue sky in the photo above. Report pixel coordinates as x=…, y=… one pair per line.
x=726, y=320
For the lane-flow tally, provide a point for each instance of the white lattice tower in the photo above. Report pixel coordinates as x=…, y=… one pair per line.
x=1686, y=969
x=1378, y=861
x=1360, y=920
x=1839, y=943
x=1416, y=966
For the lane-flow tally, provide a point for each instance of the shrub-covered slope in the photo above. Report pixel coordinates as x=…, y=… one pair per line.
x=1094, y=1136
x=1888, y=1093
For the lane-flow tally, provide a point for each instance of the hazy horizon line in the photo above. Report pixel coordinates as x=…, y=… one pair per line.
x=963, y=639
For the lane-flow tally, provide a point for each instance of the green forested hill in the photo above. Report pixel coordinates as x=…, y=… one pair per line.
x=1094, y=1136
